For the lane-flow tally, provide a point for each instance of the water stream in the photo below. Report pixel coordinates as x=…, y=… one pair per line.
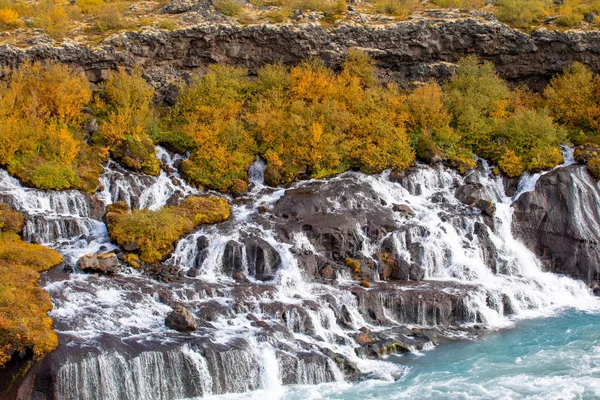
x=119, y=348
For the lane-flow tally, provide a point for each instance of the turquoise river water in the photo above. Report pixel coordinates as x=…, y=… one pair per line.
x=556, y=357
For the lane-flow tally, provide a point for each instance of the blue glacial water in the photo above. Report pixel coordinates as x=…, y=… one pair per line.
x=556, y=357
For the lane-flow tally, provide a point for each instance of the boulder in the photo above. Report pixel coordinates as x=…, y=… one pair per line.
x=202, y=244
x=181, y=319
x=104, y=263
x=403, y=210
x=233, y=258
x=263, y=259
x=473, y=194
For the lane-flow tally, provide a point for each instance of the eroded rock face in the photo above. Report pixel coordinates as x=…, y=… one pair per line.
x=560, y=221
x=408, y=50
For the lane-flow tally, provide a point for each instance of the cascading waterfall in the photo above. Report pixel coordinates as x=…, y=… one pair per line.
x=264, y=333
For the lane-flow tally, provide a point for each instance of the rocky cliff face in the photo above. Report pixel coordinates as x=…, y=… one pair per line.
x=411, y=50
x=559, y=221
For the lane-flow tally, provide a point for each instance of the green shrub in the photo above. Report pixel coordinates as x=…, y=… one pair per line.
x=522, y=13
x=511, y=164
x=154, y=233
x=573, y=98
x=593, y=167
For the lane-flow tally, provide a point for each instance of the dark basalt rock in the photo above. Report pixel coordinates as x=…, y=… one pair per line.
x=473, y=195
x=560, y=221
x=429, y=303
x=333, y=217
x=410, y=50
x=486, y=246
x=181, y=320
x=263, y=259
x=403, y=210
x=233, y=258
x=202, y=245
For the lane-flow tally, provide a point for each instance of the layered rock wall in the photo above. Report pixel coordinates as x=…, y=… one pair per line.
x=410, y=50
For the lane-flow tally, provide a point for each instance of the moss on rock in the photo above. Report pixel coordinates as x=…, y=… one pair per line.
x=154, y=233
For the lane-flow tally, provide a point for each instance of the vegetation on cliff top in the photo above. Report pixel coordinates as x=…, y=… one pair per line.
x=92, y=20
x=24, y=323
x=154, y=233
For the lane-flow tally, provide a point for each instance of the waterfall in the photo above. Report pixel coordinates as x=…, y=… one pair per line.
x=283, y=324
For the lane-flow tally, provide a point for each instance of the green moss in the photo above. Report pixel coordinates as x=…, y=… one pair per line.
x=137, y=154
x=154, y=233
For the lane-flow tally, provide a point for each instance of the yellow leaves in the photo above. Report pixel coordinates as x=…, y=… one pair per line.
x=40, y=122
x=574, y=97
x=23, y=305
x=312, y=81
x=60, y=144
x=47, y=91
x=511, y=164
x=128, y=99
x=9, y=18
x=426, y=108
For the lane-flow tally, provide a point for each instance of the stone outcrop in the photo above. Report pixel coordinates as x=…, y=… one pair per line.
x=417, y=49
x=560, y=221
x=105, y=263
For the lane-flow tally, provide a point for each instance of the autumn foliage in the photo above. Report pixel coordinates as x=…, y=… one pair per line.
x=304, y=121
x=154, y=233
x=24, y=323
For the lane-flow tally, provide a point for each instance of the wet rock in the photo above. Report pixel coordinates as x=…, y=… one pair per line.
x=263, y=259
x=560, y=222
x=363, y=339
x=181, y=320
x=472, y=194
x=104, y=263
x=487, y=247
x=202, y=245
x=240, y=277
x=308, y=264
x=403, y=210
x=233, y=258
x=260, y=324
x=365, y=284
x=327, y=272
x=416, y=272
x=312, y=211
x=429, y=303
